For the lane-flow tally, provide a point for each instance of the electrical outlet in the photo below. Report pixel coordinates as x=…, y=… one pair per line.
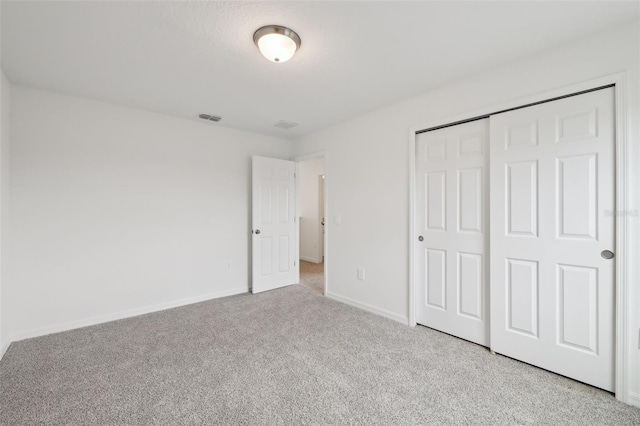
x=337, y=219
x=360, y=273
x=227, y=265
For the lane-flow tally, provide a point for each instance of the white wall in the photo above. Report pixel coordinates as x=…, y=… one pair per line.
x=5, y=133
x=369, y=170
x=311, y=247
x=118, y=211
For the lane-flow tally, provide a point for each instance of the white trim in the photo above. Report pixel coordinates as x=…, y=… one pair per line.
x=623, y=346
x=311, y=259
x=369, y=308
x=622, y=373
x=634, y=399
x=327, y=228
x=71, y=325
x=412, y=227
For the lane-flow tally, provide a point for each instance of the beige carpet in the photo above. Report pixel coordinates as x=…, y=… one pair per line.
x=284, y=357
x=312, y=275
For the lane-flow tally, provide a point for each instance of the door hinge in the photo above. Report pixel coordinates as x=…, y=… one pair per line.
x=294, y=263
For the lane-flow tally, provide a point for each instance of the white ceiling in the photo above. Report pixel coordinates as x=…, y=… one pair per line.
x=184, y=58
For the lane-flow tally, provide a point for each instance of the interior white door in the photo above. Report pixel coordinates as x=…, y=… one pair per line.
x=274, y=226
x=452, y=199
x=552, y=194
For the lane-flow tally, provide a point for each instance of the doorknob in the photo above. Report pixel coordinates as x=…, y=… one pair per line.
x=257, y=231
x=607, y=254
x=420, y=238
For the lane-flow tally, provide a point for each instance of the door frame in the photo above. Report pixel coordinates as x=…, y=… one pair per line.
x=313, y=156
x=623, y=260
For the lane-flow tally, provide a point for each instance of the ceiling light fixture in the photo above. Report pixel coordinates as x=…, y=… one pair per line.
x=277, y=43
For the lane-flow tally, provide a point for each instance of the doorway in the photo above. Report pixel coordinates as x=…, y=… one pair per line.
x=312, y=213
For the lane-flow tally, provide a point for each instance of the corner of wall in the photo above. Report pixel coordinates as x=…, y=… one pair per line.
x=5, y=104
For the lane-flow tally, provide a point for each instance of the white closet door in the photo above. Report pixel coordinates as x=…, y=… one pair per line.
x=452, y=200
x=552, y=186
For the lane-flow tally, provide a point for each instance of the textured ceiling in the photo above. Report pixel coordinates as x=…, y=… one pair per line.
x=185, y=58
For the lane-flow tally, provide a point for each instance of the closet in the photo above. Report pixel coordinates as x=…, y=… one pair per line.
x=515, y=235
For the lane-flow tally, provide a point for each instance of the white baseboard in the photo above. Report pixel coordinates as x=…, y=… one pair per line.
x=42, y=331
x=369, y=308
x=311, y=259
x=634, y=399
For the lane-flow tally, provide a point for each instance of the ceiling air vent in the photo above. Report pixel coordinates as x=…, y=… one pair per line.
x=285, y=124
x=210, y=117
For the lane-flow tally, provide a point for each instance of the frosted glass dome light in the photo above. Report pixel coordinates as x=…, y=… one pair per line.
x=276, y=43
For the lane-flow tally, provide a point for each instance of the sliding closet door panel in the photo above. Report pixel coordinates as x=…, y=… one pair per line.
x=452, y=202
x=552, y=184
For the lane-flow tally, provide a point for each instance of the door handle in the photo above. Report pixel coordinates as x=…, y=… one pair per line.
x=257, y=231
x=420, y=238
x=607, y=254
